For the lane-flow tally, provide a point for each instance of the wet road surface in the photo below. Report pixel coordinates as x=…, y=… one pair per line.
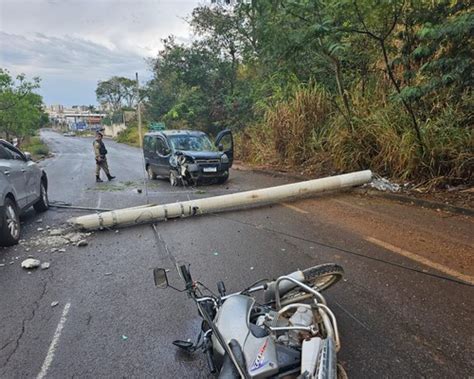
x=111, y=322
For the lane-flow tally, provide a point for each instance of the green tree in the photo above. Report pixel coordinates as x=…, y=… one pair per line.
x=21, y=110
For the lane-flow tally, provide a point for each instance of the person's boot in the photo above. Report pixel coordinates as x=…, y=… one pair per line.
x=98, y=179
x=110, y=177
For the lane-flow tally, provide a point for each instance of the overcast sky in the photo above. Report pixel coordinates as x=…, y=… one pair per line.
x=71, y=44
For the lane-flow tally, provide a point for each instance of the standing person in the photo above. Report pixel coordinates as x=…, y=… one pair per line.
x=100, y=158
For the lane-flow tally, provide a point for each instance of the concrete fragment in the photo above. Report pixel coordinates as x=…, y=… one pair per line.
x=30, y=263
x=39, y=221
x=54, y=303
x=44, y=265
x=82, y=243
x=40, y=229
x=55, y=232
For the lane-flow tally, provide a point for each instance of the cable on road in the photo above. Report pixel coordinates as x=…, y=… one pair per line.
x=61, y=204
x=433, y=275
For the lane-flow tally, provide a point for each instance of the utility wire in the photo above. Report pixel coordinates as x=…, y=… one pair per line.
x=346, y=251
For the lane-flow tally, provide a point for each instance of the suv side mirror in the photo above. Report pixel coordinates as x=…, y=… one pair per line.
x=27, y=156
x=160, y=278
x=220, y=147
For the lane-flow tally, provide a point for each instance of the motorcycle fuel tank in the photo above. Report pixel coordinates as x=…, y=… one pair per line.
x=232, y=320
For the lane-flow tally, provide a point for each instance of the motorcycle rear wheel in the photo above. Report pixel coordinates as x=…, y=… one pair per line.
x=319, y=278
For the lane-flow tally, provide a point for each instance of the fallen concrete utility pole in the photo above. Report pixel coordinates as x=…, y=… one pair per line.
x=140, y=215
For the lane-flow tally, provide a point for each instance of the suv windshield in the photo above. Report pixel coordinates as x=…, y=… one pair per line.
x=191, y=143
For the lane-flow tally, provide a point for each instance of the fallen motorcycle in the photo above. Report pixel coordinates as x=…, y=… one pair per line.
x=292, y=334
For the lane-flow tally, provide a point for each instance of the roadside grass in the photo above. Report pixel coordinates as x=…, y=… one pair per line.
x=36, y=147
x=308, y=133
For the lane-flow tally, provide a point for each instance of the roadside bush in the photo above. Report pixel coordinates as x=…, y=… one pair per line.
x=130, y=135
x=36, y=147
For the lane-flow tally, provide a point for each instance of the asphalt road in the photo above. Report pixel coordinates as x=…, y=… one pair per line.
x=112, y=322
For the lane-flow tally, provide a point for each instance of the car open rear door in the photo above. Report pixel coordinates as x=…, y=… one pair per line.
x=226, y=139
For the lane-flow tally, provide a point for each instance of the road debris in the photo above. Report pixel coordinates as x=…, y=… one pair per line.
x=108, y=274
x=30, y=263
x=140, y=215
x=124, y=337
x=39, y=221
x=45, y=265
x=383, y=184
x=54, y=303
x=2, y=264
x=82, y=243
x=40, y=229
x=55, y=232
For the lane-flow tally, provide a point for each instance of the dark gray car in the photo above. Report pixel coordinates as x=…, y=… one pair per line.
x=187, y=156
x=22, y=184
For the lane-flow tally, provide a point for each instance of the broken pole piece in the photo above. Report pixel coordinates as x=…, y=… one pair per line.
x=141, y=215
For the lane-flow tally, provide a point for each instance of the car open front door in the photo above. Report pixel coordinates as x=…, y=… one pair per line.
x=226, y=140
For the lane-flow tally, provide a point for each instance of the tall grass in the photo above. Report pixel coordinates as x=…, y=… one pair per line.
x=308, y=131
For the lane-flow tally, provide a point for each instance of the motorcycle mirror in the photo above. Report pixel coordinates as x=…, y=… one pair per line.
x=160, y=278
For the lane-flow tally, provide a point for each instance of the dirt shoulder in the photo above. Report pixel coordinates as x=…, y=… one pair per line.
x=434, y=237
x=441, y=240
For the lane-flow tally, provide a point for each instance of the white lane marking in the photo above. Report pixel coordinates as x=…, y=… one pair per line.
x=437, y=266
x=296, y=209
x=54, y=342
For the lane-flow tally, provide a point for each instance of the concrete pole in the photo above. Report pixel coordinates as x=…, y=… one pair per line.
x=133, y=216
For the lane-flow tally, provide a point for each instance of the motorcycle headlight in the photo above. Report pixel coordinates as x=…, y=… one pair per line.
x=224, y=158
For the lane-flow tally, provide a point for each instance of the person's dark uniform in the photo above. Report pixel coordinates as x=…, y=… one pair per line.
x=100, y=158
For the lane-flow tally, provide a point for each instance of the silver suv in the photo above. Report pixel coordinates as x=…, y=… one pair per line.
x=22, y=184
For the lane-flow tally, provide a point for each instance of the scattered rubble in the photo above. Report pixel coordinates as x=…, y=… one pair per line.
x=39, y=221
x=54, y=303
x=54, y=238
x=30, y=263
x=383, y=184
x=44, y=265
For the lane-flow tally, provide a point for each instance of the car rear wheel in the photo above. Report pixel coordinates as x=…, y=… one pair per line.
x=151, y=174
x=42, y=204
x=10, y=231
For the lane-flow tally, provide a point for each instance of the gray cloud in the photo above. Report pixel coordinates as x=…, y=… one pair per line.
x=73, y=44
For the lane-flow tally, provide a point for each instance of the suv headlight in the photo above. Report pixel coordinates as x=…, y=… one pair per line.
x=173, y=161
x=224, y=158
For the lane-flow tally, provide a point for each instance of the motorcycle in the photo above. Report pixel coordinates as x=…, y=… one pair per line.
x=291, y=334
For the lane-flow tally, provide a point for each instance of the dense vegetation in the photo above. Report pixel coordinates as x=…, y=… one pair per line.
x=329, y=85
x=21, y=109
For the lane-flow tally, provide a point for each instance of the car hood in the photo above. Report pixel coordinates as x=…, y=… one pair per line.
x=200, y=154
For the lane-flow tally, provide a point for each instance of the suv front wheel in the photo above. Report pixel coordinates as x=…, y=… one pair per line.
x=10, y=230
x=42, y=204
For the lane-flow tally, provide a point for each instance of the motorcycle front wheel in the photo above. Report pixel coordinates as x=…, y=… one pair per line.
x=319, y=278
